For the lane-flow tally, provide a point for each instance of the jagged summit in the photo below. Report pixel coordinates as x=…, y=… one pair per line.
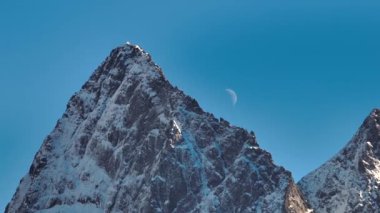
x=350, y=181
x=131, y=142
x=128, y=54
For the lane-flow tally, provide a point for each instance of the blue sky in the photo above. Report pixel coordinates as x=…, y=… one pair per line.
x=306, y=72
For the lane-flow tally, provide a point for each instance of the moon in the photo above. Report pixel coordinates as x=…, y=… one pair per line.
x=233, y=96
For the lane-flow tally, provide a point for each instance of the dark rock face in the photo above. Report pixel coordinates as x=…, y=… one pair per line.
x=131, y=142
x=350, y=181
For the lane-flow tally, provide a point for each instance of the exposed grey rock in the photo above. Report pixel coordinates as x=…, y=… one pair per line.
x=131, y=142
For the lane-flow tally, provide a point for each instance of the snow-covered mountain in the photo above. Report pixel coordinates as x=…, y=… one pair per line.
x=131, y=142
x=350, y=181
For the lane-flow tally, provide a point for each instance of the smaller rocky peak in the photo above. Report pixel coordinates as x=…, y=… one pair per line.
x=373, y=120
x=375, y=113
x=369, y=146
x=369, y=134
x=350, y=180
x=365, y=141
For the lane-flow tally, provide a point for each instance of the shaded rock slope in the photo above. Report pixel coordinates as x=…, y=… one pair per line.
x=350, y=181
x=131, y=142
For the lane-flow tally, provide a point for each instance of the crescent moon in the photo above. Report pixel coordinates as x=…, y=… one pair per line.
x=233, y=96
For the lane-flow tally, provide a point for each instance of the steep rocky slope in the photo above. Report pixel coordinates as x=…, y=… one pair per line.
x=131, y=142
x=350, y=181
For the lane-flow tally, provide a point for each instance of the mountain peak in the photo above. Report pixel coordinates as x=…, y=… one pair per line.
x=132, y=59
x=131, y=142
x=128, y=43
x=128, y=48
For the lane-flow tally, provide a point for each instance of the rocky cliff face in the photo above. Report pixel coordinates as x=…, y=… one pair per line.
x=131, y=142
x=350, y=181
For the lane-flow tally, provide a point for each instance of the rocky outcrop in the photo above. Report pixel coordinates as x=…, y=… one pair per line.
x=131, y=142
x=295, y=201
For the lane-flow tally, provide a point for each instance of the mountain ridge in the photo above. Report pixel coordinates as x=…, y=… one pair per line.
x=350, y=180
